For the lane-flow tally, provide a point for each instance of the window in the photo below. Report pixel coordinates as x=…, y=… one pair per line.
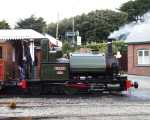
x=143, y=57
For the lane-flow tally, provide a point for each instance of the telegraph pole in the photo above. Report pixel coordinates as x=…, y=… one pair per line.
x=73, y=39
x=57, y=26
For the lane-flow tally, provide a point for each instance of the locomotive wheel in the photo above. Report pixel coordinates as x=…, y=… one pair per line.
x=135, y=85
x=35, y=90
x=1, y=87
x=70, y=91
x=55, y=90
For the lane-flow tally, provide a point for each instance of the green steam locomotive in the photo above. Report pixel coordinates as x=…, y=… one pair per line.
x=79, y=72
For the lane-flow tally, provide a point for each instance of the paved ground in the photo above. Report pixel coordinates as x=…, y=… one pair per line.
x=135, y=105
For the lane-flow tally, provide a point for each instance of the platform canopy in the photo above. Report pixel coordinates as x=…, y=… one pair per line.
x=19, y=34
x=53, y=40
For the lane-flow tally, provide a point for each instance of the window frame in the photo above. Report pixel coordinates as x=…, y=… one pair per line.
x=142, y=61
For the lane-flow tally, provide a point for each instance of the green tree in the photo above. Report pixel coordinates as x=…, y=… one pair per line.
x=116, y=46
x=52, y=29
x=101, y=22
x=120, y=46
x=66, y=48
x=4, y=25
x=94, y=26
x=135, y=9
x=32, y=22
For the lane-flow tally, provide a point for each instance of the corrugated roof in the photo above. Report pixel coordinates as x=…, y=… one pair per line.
x=19, y=34
x=54, y=40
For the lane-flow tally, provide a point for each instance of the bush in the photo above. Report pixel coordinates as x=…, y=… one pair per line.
x=116, y=45
x=120, y=46
x=66, y=48
x=101, y=47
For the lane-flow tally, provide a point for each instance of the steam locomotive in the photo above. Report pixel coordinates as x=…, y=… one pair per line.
x=80, y=72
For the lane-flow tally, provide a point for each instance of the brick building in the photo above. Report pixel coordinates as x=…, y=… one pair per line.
x=139, y=59
x=139, y=53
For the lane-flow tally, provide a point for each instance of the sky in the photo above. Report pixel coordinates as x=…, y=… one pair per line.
x=14, y=10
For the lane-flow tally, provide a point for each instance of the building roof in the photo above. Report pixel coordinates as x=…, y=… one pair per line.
x=140, y=34
x=19, y=34
x=53, y=40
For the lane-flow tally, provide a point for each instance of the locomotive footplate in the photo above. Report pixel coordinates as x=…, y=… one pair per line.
x=97, y=87
x=106, y=87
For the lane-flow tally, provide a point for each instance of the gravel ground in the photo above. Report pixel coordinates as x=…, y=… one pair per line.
x=134, y=105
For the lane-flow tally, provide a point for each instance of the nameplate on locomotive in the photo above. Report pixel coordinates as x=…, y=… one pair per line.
x=60, y=68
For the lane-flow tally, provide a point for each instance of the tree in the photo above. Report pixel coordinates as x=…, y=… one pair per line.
x=32, y=22
x=64, y=26
x=116, y=46
x=94, y=26
x=102, y=22
x=4, y=25
x=136, y=9
x=66, y=48
x=52, y=29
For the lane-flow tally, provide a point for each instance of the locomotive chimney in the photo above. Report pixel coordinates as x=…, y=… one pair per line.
x=109, y=49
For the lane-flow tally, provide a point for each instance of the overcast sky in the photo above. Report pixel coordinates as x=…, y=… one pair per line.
x=14, y=10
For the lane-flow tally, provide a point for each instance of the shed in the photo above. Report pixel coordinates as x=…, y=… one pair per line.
x=14, y=44
x=53, y=41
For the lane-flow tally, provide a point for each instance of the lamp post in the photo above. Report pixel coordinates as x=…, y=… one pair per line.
x=57, y=27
